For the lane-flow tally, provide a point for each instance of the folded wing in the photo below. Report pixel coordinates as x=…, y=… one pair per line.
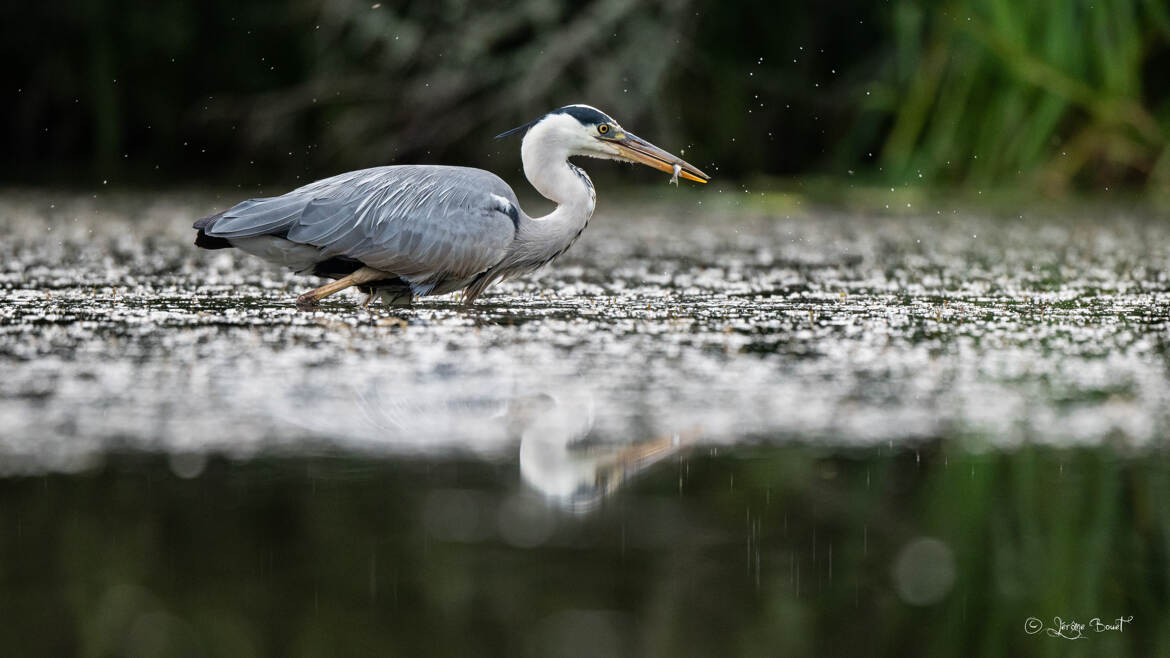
x=427, y=224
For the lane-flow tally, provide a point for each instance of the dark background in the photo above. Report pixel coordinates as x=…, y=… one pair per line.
x=1050, y=96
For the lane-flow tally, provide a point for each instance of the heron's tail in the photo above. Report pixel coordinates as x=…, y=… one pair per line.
x=205, y=241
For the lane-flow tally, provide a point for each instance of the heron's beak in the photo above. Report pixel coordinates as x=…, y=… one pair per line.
x=636, y=149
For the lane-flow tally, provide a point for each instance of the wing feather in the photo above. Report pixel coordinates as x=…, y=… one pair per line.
x=424, y=223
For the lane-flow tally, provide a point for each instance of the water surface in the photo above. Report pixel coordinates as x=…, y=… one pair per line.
x=712, y=427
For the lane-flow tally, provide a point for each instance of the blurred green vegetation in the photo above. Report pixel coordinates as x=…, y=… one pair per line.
x=1045, y=96
x=785, y=550
x=1056, y=92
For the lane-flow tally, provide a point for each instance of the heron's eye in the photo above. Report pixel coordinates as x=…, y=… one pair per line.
x=603, y=128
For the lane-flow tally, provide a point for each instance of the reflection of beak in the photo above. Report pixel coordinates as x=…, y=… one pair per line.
x=636, y=149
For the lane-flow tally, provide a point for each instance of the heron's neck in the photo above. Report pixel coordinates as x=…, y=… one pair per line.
x=547, y=167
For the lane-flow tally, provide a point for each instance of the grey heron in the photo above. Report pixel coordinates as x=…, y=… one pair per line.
x=404, y=231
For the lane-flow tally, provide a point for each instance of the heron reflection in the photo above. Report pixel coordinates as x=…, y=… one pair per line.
x=559, y=455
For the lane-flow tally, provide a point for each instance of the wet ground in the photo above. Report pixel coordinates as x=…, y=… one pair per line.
x=769, y=372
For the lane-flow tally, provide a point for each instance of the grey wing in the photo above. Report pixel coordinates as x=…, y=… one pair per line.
x=424, y=223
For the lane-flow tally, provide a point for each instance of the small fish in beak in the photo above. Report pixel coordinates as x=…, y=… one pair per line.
x=635, y=149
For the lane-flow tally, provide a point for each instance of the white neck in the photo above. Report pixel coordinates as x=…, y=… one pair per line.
x=546, y=165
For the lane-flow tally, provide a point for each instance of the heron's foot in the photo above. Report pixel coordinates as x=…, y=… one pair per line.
x=308, y=301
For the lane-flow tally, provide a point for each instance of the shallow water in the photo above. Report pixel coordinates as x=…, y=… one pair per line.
x=525, y=470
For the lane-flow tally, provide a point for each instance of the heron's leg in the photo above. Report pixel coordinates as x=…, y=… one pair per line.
x=392, y=296
x=364, y=275
x=403, y=299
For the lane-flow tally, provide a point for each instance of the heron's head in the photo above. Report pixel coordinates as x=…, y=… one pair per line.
x=585, y=130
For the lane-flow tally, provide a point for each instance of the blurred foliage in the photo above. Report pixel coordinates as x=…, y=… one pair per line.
x=784, y=550
x=1061, y=92
x=1045, y=95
